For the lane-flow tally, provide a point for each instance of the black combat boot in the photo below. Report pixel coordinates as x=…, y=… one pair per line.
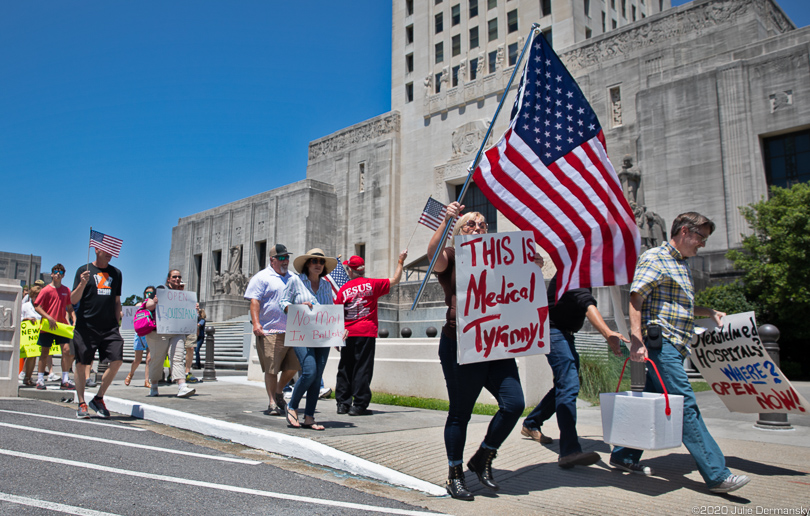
x=456, y=486
x=481, y=465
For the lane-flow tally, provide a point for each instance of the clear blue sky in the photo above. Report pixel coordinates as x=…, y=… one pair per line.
x=126, y=116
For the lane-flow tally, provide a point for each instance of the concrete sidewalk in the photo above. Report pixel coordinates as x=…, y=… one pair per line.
x=404, y=446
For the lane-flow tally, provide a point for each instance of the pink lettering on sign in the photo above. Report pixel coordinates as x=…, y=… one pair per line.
x=506, y=336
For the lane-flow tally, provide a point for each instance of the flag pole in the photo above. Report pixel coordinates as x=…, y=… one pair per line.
x=532, y=34
x=412, y=234
x=87, y=267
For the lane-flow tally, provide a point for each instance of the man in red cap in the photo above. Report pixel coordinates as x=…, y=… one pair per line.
x=359, y=299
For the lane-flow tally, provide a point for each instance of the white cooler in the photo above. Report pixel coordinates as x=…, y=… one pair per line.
x=639, y=420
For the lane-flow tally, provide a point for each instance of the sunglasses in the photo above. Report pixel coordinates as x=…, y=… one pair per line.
x=471, y=224
x=282, y=258
x=58, y=271
x=318, y=261
x=177, y=276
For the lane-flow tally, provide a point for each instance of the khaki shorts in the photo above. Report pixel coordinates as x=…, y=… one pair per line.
x=274, y=357
x=191, y=341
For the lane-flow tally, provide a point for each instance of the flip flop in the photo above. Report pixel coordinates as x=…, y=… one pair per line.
x=127, y=380
x=313, y=426
x=293, y=420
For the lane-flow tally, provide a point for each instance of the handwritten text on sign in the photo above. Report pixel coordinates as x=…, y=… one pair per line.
x=176, y=311
x=734, y=362
x=129, y=313
x=501, y=305
x=29, y=335
x=321, y=327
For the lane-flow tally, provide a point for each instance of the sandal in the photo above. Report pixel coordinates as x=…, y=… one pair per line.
x=313, y=426
x=292, y=420
x=147, y=383
x=127, y=380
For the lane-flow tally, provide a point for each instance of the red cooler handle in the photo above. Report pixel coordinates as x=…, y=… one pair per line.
x=666, y=395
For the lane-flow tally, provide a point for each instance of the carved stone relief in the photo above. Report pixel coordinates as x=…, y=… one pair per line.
x=780, y=100
x=467, y=138
x=360, y=133
x=231, y=282
x=615, y=106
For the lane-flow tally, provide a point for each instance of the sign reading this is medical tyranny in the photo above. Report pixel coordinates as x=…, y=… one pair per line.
x=736, y=365
x=176, y=311
x=320, y=327
x=501, y=304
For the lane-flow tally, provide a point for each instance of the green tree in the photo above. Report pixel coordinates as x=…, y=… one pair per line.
x=728, y=298
x=132, y=300
x=776, y=264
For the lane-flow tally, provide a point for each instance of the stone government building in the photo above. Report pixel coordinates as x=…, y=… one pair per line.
x=703, y=107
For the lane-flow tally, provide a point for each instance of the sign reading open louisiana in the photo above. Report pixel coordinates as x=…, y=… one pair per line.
x=176, y=311
x=501, y=305
x=734, y=362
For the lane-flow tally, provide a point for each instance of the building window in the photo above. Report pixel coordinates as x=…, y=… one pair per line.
x=513, y=54
x=613, y=23
x=511, y=21
x=473, y=8
x=455, y=76
x=198, y=266
x=787, y=159
x=588, y=8
x=492, y=4
x=439, y=82
x=624, y=9
x=545, y=7
x=475, y=200
x=439, y=51
x=216, y=261
x=473, y=68
x=615, y=98
x=409, y=34
x=409, y=92
x=456, y=44
x=409, y=63
x=493, y=60
x=613, y=4
x=439, y=22
x=437, y=2
x=604, y=28
x=493, y=29
x=633, y=10
x=361, y=183
x=408, y=7
x=548, y=36
x=588, y=33
x=360, y=249
x=455, y=15
x=474, y=37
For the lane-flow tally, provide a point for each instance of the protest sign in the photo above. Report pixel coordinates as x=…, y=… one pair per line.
x=29, y=334
x=501, y=304
x=734, y=362
x=321, y=327
x=62, y=329
x=176, y=311
x=126, y=319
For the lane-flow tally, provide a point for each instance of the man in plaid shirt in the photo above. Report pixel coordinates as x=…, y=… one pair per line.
x=662, y=311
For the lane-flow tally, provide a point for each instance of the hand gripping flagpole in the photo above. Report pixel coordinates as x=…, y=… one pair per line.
x=535, y=31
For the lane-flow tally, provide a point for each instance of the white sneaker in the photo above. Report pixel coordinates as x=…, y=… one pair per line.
x=732, y=483
x=53, y=377
x=325, y=392
x=153, y=391
x=185, y=391
x=21, y=376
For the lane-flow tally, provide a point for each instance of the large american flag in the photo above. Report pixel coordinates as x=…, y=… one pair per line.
x=106, y=243
x=433, y=214
x=337, y=278
x=550, y=174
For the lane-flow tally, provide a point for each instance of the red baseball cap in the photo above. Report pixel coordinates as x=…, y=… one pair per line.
x=356, y=263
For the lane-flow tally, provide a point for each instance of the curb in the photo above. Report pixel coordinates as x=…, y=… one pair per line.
x=281, y=444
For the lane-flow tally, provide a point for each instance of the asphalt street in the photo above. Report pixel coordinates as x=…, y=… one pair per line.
x=54, y=463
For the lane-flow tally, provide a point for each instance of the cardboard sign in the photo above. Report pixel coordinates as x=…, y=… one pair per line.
x=62, y=329
x=129, y=313
x=176, y=312
x=321, y=327
x=736, y=365
x=29, y=334
x=501, y=304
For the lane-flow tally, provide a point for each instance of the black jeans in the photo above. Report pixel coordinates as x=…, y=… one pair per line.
x=355, y=369
x=464, y=384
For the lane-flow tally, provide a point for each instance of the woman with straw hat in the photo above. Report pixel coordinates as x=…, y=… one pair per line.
x=308, y=288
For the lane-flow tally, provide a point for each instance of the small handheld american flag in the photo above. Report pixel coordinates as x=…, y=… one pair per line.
x=433, y=214
x=337, y=278
x=106, y=243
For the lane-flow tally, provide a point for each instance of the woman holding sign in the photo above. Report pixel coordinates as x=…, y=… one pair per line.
x=464, y=382
x=308, y=288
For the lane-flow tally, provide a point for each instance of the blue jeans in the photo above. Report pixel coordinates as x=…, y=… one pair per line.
x=313, y=362
x=464, y=384
x=197, y=350
x=562, y=398
x=696, y=437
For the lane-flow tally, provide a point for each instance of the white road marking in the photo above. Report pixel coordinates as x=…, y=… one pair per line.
x=130, y=445
x=74, y=420
x=222, y=487
x=52, y=506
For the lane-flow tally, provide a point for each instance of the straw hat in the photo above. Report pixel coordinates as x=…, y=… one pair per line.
x=299, y=262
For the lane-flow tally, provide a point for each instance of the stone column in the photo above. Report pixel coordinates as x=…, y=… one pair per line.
x=10, y=301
